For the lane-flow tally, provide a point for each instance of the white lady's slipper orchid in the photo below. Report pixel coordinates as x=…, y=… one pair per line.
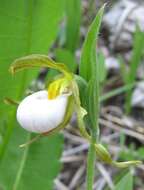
x=37, y=113
x=49, y=111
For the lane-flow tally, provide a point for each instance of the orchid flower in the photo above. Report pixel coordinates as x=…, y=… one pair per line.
x=50, y=110
x=37, y=113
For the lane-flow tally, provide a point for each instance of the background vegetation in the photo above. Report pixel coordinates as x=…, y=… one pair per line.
x=61, y=30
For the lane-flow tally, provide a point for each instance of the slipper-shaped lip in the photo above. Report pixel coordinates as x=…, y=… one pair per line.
x=36, y=113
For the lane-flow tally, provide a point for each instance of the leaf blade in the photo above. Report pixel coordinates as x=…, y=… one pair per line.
x=125, y=183
x=88, y=46
x=73, y=24
x=24, y=30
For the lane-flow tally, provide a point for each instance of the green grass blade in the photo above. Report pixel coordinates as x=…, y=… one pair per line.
x=73, y=20
x=117, y=91
x=135, y=61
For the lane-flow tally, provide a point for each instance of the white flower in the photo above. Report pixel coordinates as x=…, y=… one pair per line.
x=36, y=113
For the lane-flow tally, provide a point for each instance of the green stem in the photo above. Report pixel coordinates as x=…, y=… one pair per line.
x=30, y=141
x=94, y=128
x=90, y=166
x=19, y=173
x=91, y=153
x=84, y=133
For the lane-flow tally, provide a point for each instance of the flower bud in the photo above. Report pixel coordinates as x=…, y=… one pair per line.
x=37, y=113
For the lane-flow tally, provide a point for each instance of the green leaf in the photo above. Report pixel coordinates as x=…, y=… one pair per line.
x=89, y=70
x=66, y=57
x=26, y=27
x=92, y=97
x=26, y=33
x=125, y=183
x=118, y=177
x=73, y=18
x=33, y=167
x=102, y=68
x=89, y=46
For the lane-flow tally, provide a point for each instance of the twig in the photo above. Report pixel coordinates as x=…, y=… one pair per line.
x=106, y=175
x=77, y=176
x=69, y=159
x=121, y=129
x=60, y=185
x=74, y=138
x=76, y=149
x=99, y=184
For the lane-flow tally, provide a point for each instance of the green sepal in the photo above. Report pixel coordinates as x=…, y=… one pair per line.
x=105, y=156
x=37, y=60
x=126, y=164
